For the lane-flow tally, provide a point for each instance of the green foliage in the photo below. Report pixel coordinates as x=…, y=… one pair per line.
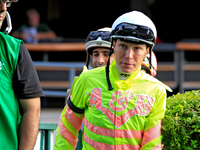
x=181, y=125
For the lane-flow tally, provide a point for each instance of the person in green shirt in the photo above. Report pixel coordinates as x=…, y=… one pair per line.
x=20, y=91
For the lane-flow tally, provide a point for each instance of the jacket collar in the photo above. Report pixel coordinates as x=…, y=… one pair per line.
x=116, y=72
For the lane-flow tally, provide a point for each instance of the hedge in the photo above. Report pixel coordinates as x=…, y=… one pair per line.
x=181, y=124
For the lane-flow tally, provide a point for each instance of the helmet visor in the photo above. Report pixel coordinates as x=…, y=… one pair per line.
x=141, y=32
x=93, y=35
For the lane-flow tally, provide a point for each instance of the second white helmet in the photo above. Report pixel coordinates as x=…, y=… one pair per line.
x=99, y=38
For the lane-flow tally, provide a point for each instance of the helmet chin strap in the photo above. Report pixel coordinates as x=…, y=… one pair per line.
x=107, y=68
x=87, y=59
x=9, y=28
x=150, y=59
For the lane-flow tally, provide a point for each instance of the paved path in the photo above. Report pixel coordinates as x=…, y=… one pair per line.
x=50, y=115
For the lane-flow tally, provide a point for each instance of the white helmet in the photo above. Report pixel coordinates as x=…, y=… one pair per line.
x=99, y=38
x=135, y=26
x=132, y=26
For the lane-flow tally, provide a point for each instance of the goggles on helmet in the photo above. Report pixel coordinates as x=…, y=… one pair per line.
x=93, y=35
x=140, y=32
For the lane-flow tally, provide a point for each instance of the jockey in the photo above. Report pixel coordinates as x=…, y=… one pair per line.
x=122, y=106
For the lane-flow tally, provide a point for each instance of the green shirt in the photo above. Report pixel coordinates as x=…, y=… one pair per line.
x=9, y=107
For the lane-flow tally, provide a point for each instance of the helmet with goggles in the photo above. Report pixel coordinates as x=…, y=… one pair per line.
x=96, y=39
x=99, y=38
x=134, y=26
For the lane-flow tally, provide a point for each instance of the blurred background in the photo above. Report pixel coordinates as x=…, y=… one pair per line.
x=175, y=20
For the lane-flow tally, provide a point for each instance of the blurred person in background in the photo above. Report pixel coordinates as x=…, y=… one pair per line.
x=34, y=31
x=20, y=91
